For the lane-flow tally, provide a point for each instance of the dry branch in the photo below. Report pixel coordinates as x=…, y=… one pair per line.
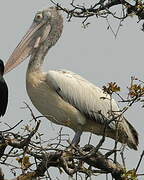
x=64, y=159
x=104, y=9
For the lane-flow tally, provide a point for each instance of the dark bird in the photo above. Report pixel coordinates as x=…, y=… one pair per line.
x=64, y=97
x=3, y=91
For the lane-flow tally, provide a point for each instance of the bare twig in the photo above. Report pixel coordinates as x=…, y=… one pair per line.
x=139, y=162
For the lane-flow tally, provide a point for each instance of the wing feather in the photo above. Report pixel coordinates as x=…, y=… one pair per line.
x=3, y=96
x=83, y=95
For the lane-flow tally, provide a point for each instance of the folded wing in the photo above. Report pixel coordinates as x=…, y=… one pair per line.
x=83, y=95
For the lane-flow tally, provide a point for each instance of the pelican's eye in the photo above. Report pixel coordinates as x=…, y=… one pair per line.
x=39, y=16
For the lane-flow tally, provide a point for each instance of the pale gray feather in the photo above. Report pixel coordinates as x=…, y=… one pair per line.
x=62, y=96
x=83, y=95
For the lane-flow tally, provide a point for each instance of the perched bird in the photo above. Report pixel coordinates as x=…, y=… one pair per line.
x=3, y=91
x=64, y=97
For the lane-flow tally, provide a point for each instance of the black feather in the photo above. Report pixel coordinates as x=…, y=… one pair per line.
x=3, y=91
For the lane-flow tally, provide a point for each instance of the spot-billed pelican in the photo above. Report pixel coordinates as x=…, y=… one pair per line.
x=3, y=91
x=62, y=96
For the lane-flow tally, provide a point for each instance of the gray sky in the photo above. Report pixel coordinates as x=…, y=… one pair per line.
x=92, y=52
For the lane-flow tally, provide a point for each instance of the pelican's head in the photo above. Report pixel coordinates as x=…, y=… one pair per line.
x=45, y=30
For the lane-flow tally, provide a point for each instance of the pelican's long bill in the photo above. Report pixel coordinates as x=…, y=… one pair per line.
x=23, y=50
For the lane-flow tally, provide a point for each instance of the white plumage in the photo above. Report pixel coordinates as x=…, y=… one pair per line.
x=63, y=97
x=82, y=94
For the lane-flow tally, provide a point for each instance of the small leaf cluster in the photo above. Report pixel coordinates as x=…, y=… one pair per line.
x=136, y=90
x=130, y=175
x=24, y=162
x=111, y=88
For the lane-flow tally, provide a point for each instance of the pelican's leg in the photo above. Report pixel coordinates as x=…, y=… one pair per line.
x=76, y=138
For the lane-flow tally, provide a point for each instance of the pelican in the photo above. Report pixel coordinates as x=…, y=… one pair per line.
x=3, y=91
x=64, y=97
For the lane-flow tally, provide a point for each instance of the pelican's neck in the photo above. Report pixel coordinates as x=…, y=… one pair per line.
x=37, y=58
x=39, y=53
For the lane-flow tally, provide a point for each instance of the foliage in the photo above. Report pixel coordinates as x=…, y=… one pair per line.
x=29, y=157
x=117, y=9
x=34, y=156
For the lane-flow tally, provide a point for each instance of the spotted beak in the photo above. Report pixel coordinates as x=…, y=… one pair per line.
x=32, y=39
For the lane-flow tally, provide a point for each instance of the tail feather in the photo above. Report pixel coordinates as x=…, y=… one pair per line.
x=133, y=139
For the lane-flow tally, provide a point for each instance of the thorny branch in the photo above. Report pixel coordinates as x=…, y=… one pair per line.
x=71, y=160
x=34, y=156
x=103, y=9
